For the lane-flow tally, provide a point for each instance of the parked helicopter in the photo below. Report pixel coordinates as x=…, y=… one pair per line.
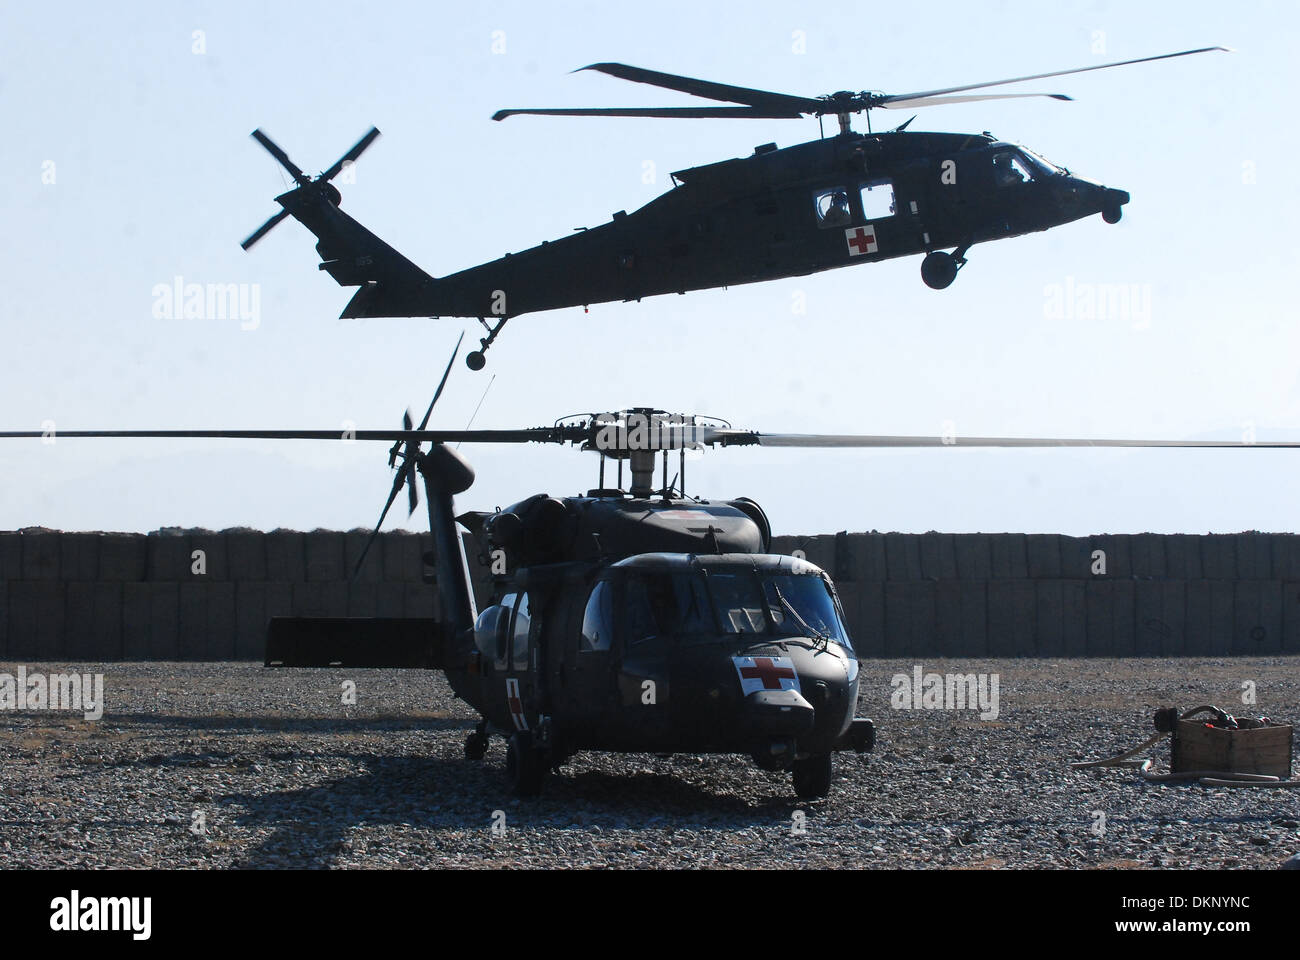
x=623, y=620
x=833, y=202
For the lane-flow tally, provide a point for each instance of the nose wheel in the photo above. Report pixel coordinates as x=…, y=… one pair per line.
x=478, y=359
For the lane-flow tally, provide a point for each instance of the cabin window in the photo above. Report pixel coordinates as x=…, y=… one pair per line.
x=832, y=207
x=501, y=653
x=1010, y=168
x=878, y=199
x=597, y=632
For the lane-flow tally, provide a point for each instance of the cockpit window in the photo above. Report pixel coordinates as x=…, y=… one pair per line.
x=1010, y=168
x=737, y=601
x=832, y=207
x=803, y=605
x=597, y=633
x=1043, y=164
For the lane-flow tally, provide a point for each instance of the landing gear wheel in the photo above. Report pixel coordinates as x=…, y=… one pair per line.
x=812, y=776
x=475, y=360
x=938, y=270
x=526, y=765
x=1112, y=213
x=476, y=745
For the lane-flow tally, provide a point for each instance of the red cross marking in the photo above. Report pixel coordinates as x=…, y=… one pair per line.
x=861, y=239
x=771, y=675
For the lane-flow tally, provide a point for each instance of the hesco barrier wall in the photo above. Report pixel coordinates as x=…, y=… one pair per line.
x=206, y=595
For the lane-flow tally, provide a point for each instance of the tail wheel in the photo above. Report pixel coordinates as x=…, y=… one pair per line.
x=526, y=765
x=812, y=776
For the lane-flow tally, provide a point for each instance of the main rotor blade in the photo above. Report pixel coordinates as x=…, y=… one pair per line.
x=714, y=113
x=350, y=157
x=274, y=150
x=264, y=229
x=894, y=98
x=443, y=382
x=843, y=440
x=938, y=101
x=559, y=434
x=762, y=99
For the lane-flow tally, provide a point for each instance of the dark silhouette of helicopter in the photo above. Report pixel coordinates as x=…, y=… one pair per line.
x=834, y=202
x=635, y=619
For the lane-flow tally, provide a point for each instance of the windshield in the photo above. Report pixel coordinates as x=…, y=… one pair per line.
x=1043, y=163
x=732, y=602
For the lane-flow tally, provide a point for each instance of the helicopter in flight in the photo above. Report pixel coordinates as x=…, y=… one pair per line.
x=634, y=618
x=834, y=202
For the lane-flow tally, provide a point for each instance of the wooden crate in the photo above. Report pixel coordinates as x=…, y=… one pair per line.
x=1266, y=750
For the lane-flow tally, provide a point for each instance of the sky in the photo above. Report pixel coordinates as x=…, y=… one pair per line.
x=127, y=163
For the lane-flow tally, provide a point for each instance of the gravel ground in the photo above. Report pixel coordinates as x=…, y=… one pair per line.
x=234, y=765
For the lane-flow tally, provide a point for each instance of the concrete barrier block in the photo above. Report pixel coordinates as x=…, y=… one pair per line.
x=1119, y=555
x=902, y=556
x=285, y=557
x=401, y=552
x=1076, y=558
x=1210, y=617
x=79, y=557
x=168, y=552
x=40, y=554
x=151, y=621
x=1111, y=614
x=1049, y=617
x=392, y=597
x=1219, y=556
x=1074, y=602
x=123, y=557
x=4, y=619
x=36, y=619
x=245, y=554
x=866, y=556
x=1011, y=618
x=974, y=557
x=324, y=553
x=1043, y=552
x=864, y=634
x=910, y=619
x=319, y=600
x=363, y=600
x=1009, y=556
x=207, y=620
x=947, y=618
x=1291, y=616
x=938, y=556
x=1286, y=556
x=216, y=561
x=93, y=621
x=1257, y=617
x=279, y=600
x=1148, y=553
x=1183, y=556
x=1254, y=553
x=1154, y=633
x=11, y=555
x=250, y=620
x=419, y=600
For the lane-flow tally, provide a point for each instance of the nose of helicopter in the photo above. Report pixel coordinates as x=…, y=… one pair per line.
x=1079, y=197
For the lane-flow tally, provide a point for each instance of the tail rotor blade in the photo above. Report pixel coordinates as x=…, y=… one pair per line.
x=412, y=493
x=350, y=157
x=274, y=150
x=264, y=229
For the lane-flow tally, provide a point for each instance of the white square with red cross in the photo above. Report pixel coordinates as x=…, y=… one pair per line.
x=861, y=240
x=765, y=673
